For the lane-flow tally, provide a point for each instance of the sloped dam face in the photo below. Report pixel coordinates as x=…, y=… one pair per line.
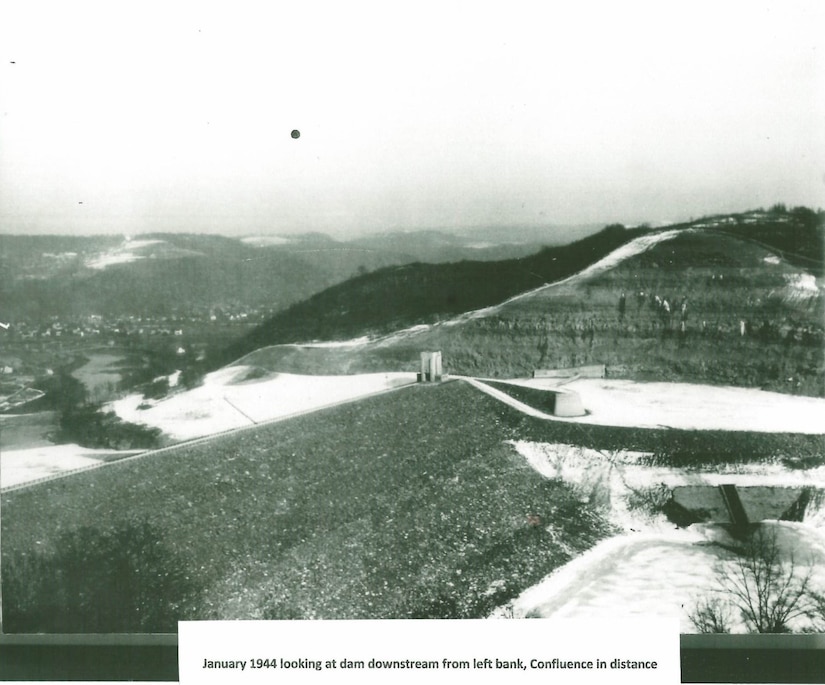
x=741, y=505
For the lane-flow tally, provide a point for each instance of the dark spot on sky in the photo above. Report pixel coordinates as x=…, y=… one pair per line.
x=295, y=133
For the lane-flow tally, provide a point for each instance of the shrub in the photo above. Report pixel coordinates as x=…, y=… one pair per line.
x=711, y=615
x=88, y=425
x=157, y=389
x=766, y=586
x=118, y=579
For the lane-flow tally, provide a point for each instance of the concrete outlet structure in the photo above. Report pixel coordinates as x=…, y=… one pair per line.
x=740, y=506
x=568, y=403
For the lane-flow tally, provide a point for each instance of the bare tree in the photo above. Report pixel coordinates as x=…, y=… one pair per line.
x=767, y=587
x=711, y=615
x=768, y=591
x=817, y=614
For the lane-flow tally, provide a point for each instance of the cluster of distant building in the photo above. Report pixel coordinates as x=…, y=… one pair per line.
x=98, y=325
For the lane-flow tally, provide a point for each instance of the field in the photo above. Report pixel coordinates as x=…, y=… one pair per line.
x=321, y=516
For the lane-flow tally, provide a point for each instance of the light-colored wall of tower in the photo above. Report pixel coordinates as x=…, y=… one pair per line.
x=431, y=369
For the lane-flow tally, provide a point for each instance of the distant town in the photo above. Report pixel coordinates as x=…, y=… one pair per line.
x=35, y=350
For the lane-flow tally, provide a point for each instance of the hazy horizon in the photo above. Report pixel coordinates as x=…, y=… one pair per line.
x=129, y=119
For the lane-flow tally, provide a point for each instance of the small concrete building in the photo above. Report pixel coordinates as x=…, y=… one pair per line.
x=431, y=371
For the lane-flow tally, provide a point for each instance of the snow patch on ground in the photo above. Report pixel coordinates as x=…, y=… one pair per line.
x=323, y=344
x=803, y=282
x=616, y=402
x=626, y=251
x=653, y=569
x=604, y=480
x=265, y=240
x=631, y=249
x=402, y=334
x=126, y=252
x=23, y=466
x=644, y=575
x=353, y=342
x=800, y=287
x=107, y=260
x=227, y=400
x=619, y=482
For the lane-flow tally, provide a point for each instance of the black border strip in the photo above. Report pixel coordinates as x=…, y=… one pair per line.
x=154, y=658
x=753, y=658
x=150, y=657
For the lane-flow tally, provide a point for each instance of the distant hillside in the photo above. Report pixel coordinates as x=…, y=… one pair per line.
x=483, y=243
x=395, y=297
x=159, y=274
x=797, y=234
x=751, y=318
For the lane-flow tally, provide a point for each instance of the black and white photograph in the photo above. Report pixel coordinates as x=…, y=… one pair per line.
x=393, y=310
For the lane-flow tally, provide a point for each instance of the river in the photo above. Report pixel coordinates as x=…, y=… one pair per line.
x=98, y=375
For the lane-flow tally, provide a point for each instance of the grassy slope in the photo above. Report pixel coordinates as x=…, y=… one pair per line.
x=799, y=235
x=324, y=516
x=320, y=516
x=393, y=298
x=724, y=279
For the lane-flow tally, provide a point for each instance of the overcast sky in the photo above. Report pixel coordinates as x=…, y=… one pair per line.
x=126, y=117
